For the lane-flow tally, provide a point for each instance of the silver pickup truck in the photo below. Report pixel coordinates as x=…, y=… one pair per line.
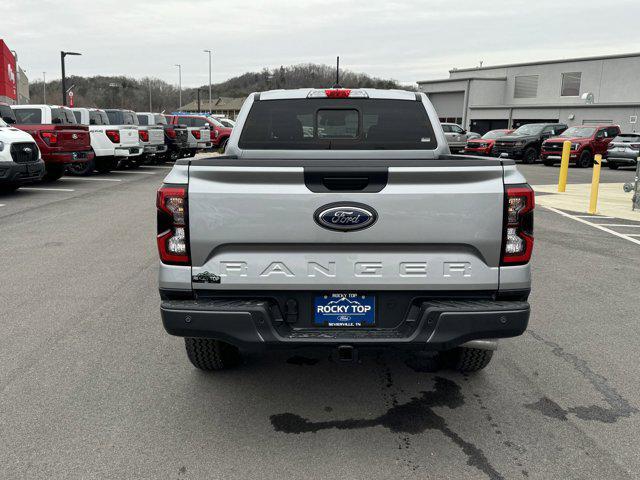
x=338, y=219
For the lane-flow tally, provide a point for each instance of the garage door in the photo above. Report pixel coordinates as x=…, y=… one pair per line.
x=448, y=104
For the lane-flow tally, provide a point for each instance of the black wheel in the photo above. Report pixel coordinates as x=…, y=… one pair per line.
x=134, y=162
x=612, y=165
x=207, y=354
x=81, y=169
x=192, y=153
x=53, y=172
x=105, y=164
x=223, y=145
x=548, y=163
x=585, y=160
x=467, y=360
x=9, y=187
x=530, y=155
x=174, y=155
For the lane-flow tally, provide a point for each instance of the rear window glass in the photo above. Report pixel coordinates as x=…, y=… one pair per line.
x=115, y=117
x=143, y=119
x=98, y=118
x=129, y=118
x=160, y=120
x=338, y=124
x=78, y=116
x=28, y=116
x=7, y=114
x=627, y=137
x=62, y=116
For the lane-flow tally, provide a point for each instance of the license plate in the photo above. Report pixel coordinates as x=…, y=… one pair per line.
x=344, y=310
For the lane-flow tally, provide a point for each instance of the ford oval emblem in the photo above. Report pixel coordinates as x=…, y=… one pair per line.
x=74, y=136
x=345, y=217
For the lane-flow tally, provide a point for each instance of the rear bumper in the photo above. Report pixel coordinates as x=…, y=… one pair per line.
x=204, y=144
x=622, y=158
x=69, y=157
x=256, y=324
x=21, y=173
x=128, y=151
x=153, y=149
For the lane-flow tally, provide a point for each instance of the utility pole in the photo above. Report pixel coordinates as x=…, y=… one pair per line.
x=199, y=110
x=44, y=87
x=210, y=107
x=149, y=83
x=64, y=78
x=179, y=83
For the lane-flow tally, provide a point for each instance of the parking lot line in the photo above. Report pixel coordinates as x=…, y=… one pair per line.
x=3, y=204
x=618, y=225
x=595, y=225
x=41, y=189
x=157, y=166
x=138, y=172
x=93, y=179
x=594, y=216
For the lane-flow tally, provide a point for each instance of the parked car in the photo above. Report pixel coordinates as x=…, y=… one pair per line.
x=61, y=141
x=219, y=133
x=176, y=137
x=130, y=155
x=347, y=262
x=20, y=160
x=199, y=136
x=457, y=137
x=153, y=140
x=586, y=141
x=484, y=144
x=227, y=122
x=109, y=142
x=525, y=142
x=623, y=151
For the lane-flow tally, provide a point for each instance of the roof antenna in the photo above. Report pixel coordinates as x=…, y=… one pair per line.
x=337, y=85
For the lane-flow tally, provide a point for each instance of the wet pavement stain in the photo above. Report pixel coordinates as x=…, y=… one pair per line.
x=298, y=360
x=412, y=417
x=618, y=406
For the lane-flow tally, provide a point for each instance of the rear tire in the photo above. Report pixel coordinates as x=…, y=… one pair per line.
x=585, y=160
x=612, y=165
x=105, y=164
x=530, y=155
x=81, y=169
x=210, y=355
x=468, y=360
x=9, y=187
x=53, y=172
x=548, y=163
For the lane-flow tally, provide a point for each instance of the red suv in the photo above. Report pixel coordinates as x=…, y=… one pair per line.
x=586, y=141
x=484, y=144
x=219, y=133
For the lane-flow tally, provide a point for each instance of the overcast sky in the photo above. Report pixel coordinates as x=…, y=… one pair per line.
x=404, y=40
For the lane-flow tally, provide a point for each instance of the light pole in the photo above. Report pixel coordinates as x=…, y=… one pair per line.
x=64, y=79
x=179, y=83
x=44, y=87
x=209, y=52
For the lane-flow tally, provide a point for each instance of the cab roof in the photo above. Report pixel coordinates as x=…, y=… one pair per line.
x=299, y=93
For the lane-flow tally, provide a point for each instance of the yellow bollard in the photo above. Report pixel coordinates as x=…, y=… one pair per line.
x=595, y=184
x=564, y=166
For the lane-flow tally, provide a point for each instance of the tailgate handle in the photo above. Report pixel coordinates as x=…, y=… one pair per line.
x=322, y=180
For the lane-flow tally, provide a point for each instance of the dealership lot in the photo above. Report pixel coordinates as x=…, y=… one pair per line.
x=92, y=387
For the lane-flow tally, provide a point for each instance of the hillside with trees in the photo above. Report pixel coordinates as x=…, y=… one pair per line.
x=126, y=92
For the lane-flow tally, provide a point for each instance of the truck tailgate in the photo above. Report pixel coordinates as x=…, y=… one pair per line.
x=438, y=227
x=73, y=137
x=129, y=136
x=156, y=135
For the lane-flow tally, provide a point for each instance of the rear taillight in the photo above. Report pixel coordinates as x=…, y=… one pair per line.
x=196, y=134
x=173, y=225
x=171, y=133
x=635, y=146
x=114, y=135
x=517, y=243
x=50, y=138
x=144, y=135
x=337, y=93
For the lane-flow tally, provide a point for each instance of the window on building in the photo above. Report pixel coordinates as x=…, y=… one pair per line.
x=571, y=84
x=526, y=86
x=457, y=120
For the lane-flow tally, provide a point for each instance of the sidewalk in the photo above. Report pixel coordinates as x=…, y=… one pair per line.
x=613, y=201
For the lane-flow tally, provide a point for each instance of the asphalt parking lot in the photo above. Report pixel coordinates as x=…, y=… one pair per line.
x=92, y=387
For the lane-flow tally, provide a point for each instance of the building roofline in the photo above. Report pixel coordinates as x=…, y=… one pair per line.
x=444, y=80
x=547, y=62
x=556, y=105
